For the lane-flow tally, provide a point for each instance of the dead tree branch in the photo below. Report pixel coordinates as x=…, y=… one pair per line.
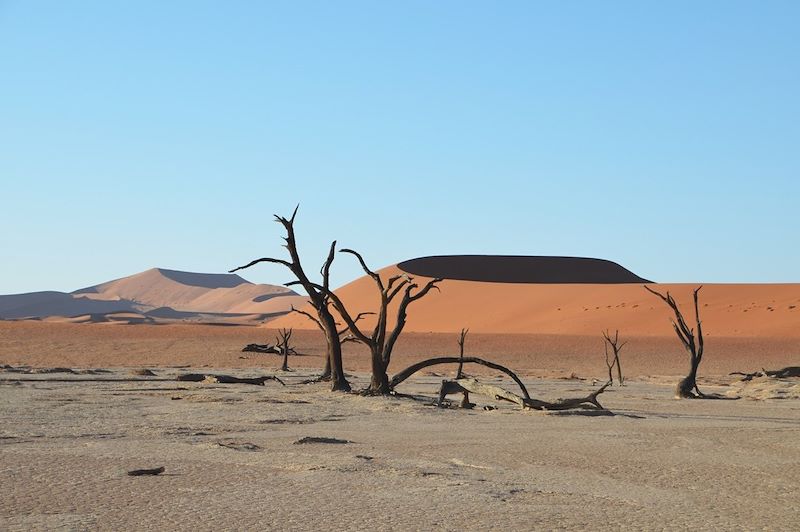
x=466, y=386
x=412, y=369
x=227, y=379
x=461, y=338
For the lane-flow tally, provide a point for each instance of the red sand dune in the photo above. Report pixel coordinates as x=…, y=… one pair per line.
x=727, y=310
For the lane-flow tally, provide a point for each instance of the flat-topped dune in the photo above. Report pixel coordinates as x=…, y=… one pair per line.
x=579, y=308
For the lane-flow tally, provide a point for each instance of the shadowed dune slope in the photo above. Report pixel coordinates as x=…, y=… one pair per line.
x=520, y=269
x=42, y=304
x=730, y=310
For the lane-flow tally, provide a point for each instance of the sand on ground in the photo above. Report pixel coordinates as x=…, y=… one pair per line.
x=231, y=461
x=47, y=344
x=68, y=439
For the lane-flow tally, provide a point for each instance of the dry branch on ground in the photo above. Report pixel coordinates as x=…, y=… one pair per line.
x=227, y=379
x=472, y=385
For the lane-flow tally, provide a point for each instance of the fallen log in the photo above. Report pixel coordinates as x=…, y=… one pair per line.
x=143, y=472
x=467, y=386
x=320, y=439
x=227, y=379
x=409, y=371
x=784, y=373
x=261, y=348
x=470, y=385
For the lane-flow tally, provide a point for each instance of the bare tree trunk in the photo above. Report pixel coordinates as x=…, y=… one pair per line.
x=687, y=386
x=338, y=380
x=326, y=371
x=693, y=343
x=462, y=337
x=379, y=383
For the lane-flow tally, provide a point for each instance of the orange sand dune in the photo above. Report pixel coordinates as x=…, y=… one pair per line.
x=195, y=292
x=727, y=310
x=158, y=294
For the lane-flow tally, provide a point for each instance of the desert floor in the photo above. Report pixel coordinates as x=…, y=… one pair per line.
x=46, y=344
x=232, y=463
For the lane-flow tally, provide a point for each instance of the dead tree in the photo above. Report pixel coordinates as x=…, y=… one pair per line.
x=461, y=337
x=616, y=347
x=317, y=295
x=692, y=342
x=284, y=349
x=381, y=341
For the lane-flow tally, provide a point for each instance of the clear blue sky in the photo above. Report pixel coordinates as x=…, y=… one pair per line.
x=661, y=135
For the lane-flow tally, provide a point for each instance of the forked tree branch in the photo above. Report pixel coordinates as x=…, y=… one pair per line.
x=309, y=316
x=372, y=274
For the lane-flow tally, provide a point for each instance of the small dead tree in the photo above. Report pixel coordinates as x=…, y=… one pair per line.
x=284, y=349
x=612, y=361
x=381, y=341
x=461, y=338
x=317, y=295
x=692, y=342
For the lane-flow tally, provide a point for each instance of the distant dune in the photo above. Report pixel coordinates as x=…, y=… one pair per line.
x=44, y=304
x=157, y=295
x=582, y=307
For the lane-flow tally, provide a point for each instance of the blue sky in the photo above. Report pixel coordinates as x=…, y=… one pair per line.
x=661, y=135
